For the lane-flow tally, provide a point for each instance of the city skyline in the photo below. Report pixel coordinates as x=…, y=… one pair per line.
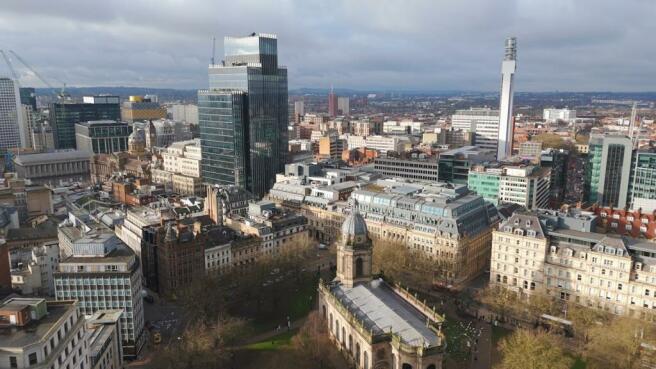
x=366, y=45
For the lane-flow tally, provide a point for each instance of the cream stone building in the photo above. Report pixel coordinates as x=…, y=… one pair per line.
x=374, y=324
x=559, y=253
x=181, y=168
x=450, y=226
x=444, y=222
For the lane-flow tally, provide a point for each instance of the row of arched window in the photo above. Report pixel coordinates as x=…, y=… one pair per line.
x=356, y=353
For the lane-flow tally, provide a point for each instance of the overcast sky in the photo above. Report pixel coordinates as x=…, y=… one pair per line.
x=565, y=45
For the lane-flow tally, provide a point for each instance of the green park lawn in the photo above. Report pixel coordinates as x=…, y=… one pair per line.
x=274, y=343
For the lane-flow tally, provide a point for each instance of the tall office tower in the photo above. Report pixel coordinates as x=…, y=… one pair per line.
x=184, y=113
x=243, y=115
x=11, y=115
x=28, y=97
x=483, y=124
x=343, y=105
x=609, y=170
x=299, y=107
x=332, y=103
x=508, y=68
x=643, y=181
x=65, y=114
x=103, y=273
x=28, y=126
x=299, y=111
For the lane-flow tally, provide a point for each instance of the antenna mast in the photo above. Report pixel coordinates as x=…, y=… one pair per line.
x=632, y=121
x=213, y=49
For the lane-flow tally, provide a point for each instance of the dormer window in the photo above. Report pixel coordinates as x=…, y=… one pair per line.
x=630, y=218
x=528, y=223
x=638, y=266
x=519, y=232
x=507, y=229
x=553, y=249
x=603, y=214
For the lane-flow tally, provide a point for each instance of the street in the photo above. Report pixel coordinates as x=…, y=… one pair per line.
x=164, y=317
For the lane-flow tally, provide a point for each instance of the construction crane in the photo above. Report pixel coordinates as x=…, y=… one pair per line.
x=62, y=92
x=213, y=50
x=9, y=65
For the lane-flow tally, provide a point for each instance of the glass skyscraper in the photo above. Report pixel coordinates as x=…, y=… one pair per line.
x=643, y=180
x=11, y=117
x=28, y=97
x=64, y=116
x=223, y=117
x=243, y=116
x=608, y=170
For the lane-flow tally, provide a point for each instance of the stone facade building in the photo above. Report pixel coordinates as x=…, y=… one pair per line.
x=452, y=227
x=561, y=255
x=40, y=334
x=374, y=324
x=54, y=167
x=180, y=172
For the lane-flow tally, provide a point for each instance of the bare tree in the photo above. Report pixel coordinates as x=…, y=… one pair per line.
x=584, y=319
x=526, y=349
x=202, y=346
x=617, y=344
x=410, y=268
x=540, y=303
x=312, y=343
x=250, y=284
x=501, y=301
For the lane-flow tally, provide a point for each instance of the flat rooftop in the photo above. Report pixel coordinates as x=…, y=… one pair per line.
x=381, y=309
x=52, y=157
x=119, y=254
x=18, y=337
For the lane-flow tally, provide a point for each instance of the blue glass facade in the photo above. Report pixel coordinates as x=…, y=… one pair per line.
x=223, y=120
x=250, y=67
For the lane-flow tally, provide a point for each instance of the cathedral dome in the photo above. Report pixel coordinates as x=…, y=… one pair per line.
x=354, y=228
x=137, y=136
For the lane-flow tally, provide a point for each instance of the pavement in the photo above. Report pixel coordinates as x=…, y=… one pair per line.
x=482, y=356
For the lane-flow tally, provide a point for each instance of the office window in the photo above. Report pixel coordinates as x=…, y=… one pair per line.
x=32, y=358
x=13, y=362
